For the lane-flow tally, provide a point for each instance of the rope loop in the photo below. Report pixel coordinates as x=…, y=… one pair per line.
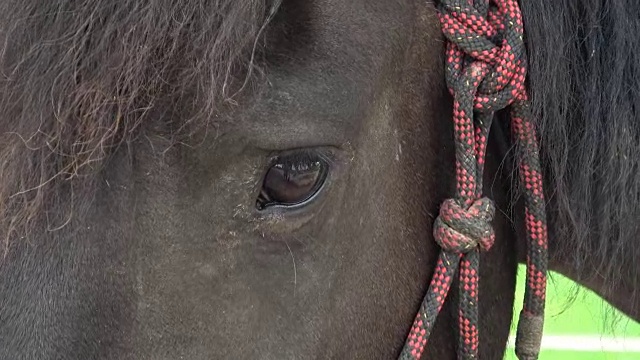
x=492, y=36
x=459, y=229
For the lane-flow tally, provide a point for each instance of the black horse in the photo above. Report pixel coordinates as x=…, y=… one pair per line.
x=258, y=179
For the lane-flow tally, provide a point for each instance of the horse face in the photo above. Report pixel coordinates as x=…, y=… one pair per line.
x=297, y=224
x=245, y=256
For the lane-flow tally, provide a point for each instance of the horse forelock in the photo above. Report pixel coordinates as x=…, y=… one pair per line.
x=79, y=78
x=585, y=83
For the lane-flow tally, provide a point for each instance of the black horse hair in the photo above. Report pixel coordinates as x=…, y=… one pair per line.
x=584, y=78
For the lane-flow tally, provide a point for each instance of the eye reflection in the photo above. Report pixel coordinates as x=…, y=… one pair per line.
x=292, y=180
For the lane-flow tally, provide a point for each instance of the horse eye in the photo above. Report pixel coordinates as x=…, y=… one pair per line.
x=292, y=181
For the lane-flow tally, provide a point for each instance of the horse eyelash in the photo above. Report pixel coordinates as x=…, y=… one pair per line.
x=293, y=159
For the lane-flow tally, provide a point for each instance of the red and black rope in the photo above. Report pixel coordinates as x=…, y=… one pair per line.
x=486, y=71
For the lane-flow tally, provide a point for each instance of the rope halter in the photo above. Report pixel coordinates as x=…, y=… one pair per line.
x=486, y=71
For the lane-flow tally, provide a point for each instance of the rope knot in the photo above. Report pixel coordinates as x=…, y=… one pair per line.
x=491, y=37
x=486, y=66
x=459, y=229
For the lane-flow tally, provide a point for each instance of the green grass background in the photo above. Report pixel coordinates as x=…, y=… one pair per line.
x=577, y=313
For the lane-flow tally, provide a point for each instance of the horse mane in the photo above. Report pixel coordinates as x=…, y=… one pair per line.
x=79, y=78
x=585, y=82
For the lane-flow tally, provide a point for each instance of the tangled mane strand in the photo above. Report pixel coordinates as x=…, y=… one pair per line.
x=585, y=82
x=80, y=77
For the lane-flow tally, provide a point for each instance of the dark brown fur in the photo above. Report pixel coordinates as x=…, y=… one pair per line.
x=133, y=134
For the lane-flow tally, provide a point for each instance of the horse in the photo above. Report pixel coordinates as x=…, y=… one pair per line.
x=258, y=179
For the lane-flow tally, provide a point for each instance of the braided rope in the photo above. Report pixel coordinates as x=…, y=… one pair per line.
x=486, y=71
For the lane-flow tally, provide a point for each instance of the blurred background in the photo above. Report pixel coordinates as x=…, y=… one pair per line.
x=579, y=325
